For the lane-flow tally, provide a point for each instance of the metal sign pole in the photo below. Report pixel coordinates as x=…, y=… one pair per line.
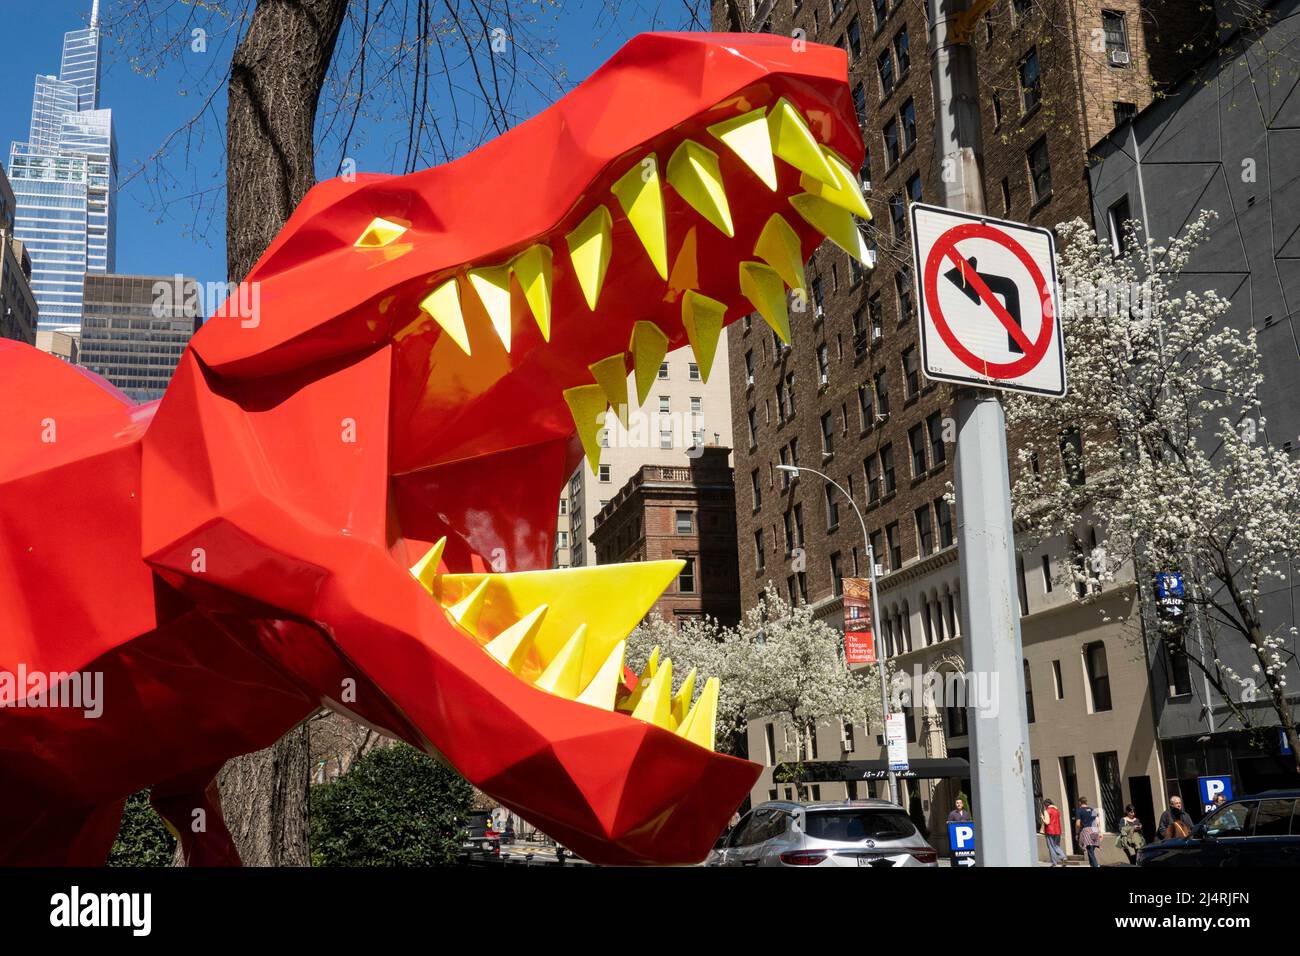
x=1004, y=805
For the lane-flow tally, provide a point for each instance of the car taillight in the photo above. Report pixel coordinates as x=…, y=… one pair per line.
x=803, y=857
x=925, y=856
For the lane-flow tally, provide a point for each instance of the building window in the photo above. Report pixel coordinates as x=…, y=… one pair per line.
x=753, y=428
x=872, y=466
x=1094, y=658
x=562, y=539
x=1117, y=218
x=693, y=372
x=666, y=438
x=564, y=506
x=1030, y=86
x=1116, y=30
x=832, y=508
x=1006, y=196
x=665, y=404
x=828, y=434
x=911, y=372
x=1071, y=442
x=697, y=405
x=757, y=488
x=837, y=572
x=924, y=532
x=603, y=473
x=854, y=37
x=663, y=370
x=887, y=467
x=901, y=51
x=1029, y=695
x=943, y=511
x=881, y=10
x=914, y=187
x=1040, y=170
x=823, y=362
x=1180, y=671
x=996, y=99
x=877, y=547
x=1058, y=686
x=885, y=67
x=903, y=287
x=860, y=103
x=895, y=546
x=686, y=579
x=893, y=151
x=916, y=443
x=864, y=406
x=882, y=393
x=1047, y=574
x=907, y=115
x=1124, y=112
x=934, y=425
x=1022, y=588
x=798, y=526
x=685, y=522
x=760, y=559
x=1112, y=799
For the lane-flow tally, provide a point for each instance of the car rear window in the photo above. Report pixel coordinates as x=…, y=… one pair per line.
x=850, y=826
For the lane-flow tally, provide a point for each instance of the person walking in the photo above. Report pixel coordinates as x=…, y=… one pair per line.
x=1174, y=824
x=1130, y=838
x=958, y=813
x=1052, y=830
x=1086, y=831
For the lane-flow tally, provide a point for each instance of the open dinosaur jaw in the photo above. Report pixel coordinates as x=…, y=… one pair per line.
x=669, y=243
x=559, y=632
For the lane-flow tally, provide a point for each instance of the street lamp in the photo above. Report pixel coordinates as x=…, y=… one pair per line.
x=875, y=611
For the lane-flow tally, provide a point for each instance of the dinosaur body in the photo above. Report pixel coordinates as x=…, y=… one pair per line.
x=345, y=499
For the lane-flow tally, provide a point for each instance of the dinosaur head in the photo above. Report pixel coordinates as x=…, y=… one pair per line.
x=679, y=188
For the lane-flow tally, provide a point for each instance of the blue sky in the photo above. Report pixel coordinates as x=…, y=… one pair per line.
x=159, y=229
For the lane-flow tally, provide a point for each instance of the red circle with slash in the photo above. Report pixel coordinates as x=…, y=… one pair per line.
x=946, y=246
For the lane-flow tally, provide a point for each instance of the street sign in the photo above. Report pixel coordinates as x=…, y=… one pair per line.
x=1171, y=595
x=1212, y=787
x=961, y=841
x=859, y=640
x=987, y=301
x=896, y=742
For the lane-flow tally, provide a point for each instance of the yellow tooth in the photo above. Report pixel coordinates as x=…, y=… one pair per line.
x=699, y=727
x=794, y=142
x=532, y=268
x=693, y=172
x=846, y=194
x=380, y=232
x=778, y=245
x=589, y=249
x=682, y=699
x=466, y=611
x=655, y=705
x=763, y=287
x=568, y=595
x=611, y=375
x=639, y=194
x=563, y=675
x=511, y=646
x=602, y=688
x=748, y=137
x=642, y=682
x=587, y=403
x=648, y=346
x=835, y=224
x=426, y=569
x=443, y=304
x=493, y=288
x=702, y=318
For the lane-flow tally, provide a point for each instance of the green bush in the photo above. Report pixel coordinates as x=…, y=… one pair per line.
x=143, y=839
x=394, y=807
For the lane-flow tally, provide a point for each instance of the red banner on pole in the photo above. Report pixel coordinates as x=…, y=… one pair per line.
x=859, y=638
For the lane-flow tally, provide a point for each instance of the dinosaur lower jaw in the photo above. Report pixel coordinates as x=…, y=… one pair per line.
x=563, y=632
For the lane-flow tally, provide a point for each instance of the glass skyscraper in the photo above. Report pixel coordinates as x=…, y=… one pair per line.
x=64, y=178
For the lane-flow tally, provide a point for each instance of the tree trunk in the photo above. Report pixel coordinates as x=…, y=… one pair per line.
x=275, y=83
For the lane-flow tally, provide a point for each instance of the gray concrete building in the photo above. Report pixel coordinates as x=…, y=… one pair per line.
x=1225, y=138
x=134, y=329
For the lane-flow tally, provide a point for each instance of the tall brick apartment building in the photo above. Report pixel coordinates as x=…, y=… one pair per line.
x=847, y=397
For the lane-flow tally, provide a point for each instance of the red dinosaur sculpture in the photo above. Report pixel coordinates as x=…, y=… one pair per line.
x=322, y=508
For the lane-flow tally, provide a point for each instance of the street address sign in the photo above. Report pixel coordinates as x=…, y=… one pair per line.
x=987, y=301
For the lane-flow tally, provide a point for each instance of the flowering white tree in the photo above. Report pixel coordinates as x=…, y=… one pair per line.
x=1177, y=473
x=780, y=663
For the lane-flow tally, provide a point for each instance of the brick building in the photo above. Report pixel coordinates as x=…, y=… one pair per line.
x=847, y=395
x=685, y=511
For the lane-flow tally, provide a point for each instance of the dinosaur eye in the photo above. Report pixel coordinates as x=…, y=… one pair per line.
x=380, y=232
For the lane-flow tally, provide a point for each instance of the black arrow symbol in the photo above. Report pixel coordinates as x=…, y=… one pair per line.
x=998, y=285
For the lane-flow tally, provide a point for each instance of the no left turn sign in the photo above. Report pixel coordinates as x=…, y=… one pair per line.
x=987, y=301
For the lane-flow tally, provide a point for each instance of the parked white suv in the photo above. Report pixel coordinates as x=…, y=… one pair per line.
x=848, y=833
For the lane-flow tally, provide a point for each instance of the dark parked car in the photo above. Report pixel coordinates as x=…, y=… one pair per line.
x=1260, y=830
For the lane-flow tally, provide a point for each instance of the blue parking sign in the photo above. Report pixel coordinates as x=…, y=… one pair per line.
x=1212, y=787
x=961, y=841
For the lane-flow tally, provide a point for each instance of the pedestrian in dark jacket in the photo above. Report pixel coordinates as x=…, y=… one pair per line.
x=1174, y=822
x=1087, y=831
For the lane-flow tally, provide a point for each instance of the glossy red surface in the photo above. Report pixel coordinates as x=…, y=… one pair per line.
x=236, y=556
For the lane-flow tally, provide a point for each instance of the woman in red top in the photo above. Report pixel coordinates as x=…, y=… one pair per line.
x=1052, y=830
